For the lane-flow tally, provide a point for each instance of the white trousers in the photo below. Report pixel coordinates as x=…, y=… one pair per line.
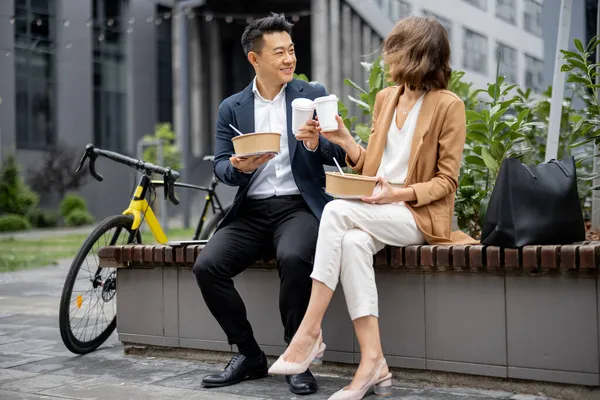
x=350, y=234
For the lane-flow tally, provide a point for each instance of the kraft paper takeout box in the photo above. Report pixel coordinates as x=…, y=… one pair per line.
x=349, y=185
x=256, y=143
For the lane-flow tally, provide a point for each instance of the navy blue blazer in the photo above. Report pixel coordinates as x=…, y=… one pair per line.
x=307, y=166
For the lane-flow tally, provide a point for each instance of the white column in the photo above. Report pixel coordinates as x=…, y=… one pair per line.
x=335, y=48
x=216, y=78
x=320, y=47
x=558, y=83
x=357, y=69
x=595, y=193
x=346, y=52
x=366, y=49
x=198, y=86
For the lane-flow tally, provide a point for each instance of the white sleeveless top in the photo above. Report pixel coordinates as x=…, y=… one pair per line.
x=394, y=163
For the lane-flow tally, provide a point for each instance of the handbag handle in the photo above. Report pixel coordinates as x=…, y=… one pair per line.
x=562, y=168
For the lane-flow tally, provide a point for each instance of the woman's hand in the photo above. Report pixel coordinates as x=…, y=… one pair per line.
x=386, y=195
x=389, y=194
x=342, y=136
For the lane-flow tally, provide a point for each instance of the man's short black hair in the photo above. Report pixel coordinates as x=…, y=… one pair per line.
x=252, y=39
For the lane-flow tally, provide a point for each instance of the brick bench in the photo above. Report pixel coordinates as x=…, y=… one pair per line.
x=530, y=313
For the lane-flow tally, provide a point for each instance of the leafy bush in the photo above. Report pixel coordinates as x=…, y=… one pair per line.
x=170, y=152
x=56, y=172
x=42, y=219
x=13, y=223
x=15, y=196
x=71, y=203
x=79, y=217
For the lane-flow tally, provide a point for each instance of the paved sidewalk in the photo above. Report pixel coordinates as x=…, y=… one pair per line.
x=35, y=365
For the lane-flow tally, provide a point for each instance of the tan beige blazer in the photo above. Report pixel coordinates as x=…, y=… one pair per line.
x=434, y=162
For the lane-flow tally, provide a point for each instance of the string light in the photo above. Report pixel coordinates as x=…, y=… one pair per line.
x=157, y=19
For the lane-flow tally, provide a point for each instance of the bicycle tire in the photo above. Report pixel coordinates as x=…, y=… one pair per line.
x=69, y=339
x=210, y=226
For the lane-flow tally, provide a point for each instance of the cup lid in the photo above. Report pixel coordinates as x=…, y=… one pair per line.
x=302, y=103
x=326, y=98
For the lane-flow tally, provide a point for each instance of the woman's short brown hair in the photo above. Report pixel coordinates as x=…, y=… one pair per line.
x=418, y=53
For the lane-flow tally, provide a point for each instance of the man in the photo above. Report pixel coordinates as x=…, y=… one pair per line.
x=278, y=204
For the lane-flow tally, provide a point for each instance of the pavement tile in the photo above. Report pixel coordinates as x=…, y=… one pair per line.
x=6, y=395
x=39, y=383
x=98, y=389
x=9, y=360
x=10, y=375
x=126, y=369
x=27, y=346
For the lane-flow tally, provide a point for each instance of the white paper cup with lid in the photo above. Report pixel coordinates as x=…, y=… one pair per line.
x=302, y=111
x=327, y=109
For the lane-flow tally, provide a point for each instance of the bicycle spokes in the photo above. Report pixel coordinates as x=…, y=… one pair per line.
x=93, y=299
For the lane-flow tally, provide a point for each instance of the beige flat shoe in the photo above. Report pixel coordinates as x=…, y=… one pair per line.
x=381, y=386
x=282, y=367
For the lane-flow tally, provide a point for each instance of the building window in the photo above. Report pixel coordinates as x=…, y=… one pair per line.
x=109, y=73
x=482, y=4
x=533, y=17
x=396, y=9
x=534, y=75
x=475, y=52
x=400, y=9
x=507, y=10
x=165, y=68
x=445, y=23
x=507, y=57
x=35, y=43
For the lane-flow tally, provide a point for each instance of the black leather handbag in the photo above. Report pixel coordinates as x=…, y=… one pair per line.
x=534, y=205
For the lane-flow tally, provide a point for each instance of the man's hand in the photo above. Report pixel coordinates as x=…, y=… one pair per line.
x=250, y=164
x=309, y=134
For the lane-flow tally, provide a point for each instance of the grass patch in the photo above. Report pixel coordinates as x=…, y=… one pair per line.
x=18, y=254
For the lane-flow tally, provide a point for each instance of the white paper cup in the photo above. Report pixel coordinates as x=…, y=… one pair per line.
x=327, y=109
x=302, y=111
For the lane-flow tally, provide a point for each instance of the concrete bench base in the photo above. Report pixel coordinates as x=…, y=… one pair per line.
x=538, y=326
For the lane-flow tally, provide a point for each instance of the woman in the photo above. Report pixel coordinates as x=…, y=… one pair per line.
x=415, y=151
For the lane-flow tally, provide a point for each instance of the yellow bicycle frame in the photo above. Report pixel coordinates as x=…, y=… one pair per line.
x=138, y=208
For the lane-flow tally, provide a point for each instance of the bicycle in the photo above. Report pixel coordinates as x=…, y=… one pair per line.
x=103, y=282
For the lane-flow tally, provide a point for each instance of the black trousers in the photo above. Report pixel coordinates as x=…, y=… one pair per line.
x=280, y=226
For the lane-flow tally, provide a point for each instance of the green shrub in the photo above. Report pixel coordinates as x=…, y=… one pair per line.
x=15, y=196
x=79, y=218
x=13, y=223
x=42, y=219
x=71, y=203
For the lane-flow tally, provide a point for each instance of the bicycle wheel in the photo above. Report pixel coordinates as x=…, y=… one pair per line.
x=210, y=226
x=88, y=312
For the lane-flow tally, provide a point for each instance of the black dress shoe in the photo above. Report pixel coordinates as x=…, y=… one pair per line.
x=238, y=369
x=304, y=383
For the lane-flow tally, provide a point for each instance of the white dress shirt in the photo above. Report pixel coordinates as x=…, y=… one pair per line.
x=276, y=177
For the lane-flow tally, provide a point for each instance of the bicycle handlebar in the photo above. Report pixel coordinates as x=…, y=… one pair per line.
x=169, y=175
